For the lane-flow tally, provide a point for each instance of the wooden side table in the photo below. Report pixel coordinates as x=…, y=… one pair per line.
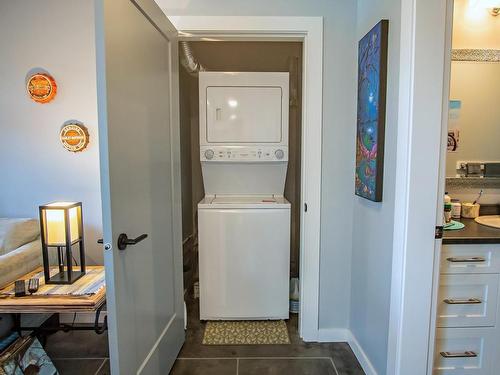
x=55, y=304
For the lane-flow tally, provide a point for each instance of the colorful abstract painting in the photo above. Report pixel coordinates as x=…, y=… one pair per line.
x=372, y=83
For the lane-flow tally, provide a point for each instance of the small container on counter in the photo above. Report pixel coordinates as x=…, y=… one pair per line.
x=447, y=198
x=447, y=213
x=456, y=209
x=470, y=210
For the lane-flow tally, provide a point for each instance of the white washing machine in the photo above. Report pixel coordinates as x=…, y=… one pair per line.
x=244, y=219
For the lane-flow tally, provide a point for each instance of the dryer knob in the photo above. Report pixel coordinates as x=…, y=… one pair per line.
x=209, y=154
x=279, y=154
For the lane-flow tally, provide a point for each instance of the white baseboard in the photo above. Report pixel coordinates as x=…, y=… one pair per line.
x=334, y=335
x=360, y=354
x=345, y=335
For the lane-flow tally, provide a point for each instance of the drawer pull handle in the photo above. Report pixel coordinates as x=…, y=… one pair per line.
x=467, y=354
x=466, y=259
x=465, y=301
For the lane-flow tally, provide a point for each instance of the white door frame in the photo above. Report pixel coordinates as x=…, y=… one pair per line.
x=308, y=30
x=423, y=98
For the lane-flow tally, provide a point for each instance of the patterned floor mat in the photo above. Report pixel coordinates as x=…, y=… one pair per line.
x=262, y=332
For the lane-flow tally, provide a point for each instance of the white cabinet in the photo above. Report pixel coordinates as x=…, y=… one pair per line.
x=467, y=300
x=468, y=336
x=470, y=259
x=464, y=351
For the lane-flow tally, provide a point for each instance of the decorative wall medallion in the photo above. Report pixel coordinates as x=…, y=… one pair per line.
x=41, y=87
x=483, y=55
x=74, y=137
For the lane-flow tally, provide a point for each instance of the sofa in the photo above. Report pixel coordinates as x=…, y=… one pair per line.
x=20, y=248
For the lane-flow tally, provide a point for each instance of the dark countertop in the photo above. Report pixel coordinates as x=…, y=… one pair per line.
x=473, y=233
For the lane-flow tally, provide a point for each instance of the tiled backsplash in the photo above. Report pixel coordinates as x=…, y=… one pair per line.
x=490, y=196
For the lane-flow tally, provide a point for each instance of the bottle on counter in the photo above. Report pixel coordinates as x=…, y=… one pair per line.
x=456, y=208
x=447, y=208
x=447, y=213
x=447, y=198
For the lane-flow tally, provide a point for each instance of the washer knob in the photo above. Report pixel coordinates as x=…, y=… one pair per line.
x=279, y=154
x=209, y=154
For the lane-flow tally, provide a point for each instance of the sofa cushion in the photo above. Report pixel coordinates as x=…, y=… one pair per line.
x=15, y=233
x=19, y=262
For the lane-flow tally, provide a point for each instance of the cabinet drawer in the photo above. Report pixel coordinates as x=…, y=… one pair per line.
x=467, y=300
x=464, y=351
x=470, y=259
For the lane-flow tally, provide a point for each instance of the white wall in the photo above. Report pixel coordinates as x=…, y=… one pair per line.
x=474, y=27
x=338, y=131
x=373, y=222
x=58, y=36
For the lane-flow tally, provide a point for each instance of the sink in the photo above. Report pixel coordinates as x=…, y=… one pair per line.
x=489, y=220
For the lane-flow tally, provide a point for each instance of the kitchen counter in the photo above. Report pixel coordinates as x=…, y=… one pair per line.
x=473, y=233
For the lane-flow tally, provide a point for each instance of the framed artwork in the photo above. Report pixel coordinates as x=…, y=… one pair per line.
x=372, y=86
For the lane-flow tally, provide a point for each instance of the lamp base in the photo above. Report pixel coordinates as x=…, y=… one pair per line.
x=62, y=278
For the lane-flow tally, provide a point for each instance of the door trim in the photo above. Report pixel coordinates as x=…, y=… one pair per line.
x=423, y=88
x=309, y=31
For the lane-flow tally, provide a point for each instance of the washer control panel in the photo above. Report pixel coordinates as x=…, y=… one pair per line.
x=243, y=153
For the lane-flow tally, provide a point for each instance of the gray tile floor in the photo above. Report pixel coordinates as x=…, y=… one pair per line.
x=297, y=358
x=85, y=353
x=79, y=353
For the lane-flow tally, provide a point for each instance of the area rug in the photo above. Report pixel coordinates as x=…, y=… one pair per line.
x=246, y=332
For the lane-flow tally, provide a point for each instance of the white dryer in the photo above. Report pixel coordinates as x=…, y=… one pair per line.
x=244, y=219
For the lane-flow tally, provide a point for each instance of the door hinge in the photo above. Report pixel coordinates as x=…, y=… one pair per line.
x=305, y=207
x=439, y=232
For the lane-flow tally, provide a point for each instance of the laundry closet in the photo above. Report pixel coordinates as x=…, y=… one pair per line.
x=240, y=129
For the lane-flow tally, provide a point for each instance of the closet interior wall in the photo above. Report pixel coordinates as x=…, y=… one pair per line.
x=241, y=57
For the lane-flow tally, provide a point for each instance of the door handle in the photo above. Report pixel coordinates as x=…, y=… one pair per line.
x=100, y=240
x=465, y=301
x=466, y=354
x=124, y=241
x=466, y=260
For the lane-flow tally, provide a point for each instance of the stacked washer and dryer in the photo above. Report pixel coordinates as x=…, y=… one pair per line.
x=244, y=218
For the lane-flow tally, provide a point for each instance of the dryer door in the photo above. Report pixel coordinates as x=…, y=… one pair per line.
x=244, y=114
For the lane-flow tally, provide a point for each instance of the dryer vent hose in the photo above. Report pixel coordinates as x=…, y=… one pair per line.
x=188, y=61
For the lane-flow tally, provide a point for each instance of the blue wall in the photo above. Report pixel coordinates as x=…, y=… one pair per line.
x=35, y=168
x=373, y=222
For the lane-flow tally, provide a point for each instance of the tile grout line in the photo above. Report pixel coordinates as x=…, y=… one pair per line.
x=100, y=367
x=77, y=358
x=245, y=358
x=334, y=367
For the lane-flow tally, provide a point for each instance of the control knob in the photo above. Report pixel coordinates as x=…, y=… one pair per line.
x=209, y=154
x=279, y=154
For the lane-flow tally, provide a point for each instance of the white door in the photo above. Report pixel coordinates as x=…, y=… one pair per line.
x=140, y=181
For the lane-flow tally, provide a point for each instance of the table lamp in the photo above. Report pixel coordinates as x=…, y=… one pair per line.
x=61, y=228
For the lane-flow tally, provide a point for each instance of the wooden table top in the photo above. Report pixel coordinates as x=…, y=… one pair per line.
x=52, y=304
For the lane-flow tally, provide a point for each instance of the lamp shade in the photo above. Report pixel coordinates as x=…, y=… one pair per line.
x=56, y=214
x=61, y=227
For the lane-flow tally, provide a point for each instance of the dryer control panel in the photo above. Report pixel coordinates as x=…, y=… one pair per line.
x=244, y=154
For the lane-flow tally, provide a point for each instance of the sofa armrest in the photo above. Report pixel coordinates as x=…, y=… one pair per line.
x=19, y=262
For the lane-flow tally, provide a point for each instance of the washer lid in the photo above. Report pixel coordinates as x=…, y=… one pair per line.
x=244, y=201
